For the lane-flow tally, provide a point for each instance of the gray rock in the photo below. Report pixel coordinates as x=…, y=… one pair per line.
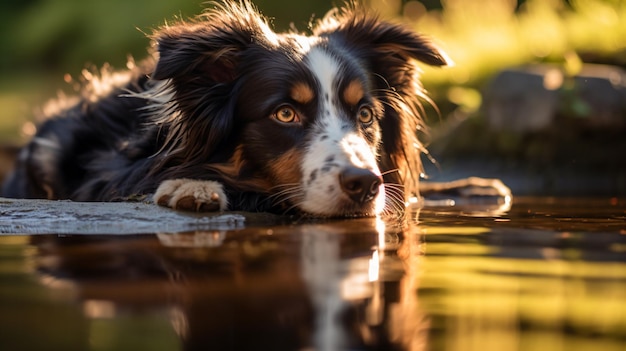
x=518, y=100
x=530, y=98
x=66, y=217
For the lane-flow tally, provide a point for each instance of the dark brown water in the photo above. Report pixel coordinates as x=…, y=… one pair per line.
x=546, y=274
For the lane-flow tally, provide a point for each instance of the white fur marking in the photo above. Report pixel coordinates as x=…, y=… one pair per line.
x=347, y=147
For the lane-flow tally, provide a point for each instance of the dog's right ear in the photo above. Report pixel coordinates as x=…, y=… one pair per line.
x=211, y=45
x=199, y=59
x=188, y=49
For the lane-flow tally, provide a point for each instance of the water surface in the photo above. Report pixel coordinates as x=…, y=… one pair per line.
x=545, y=274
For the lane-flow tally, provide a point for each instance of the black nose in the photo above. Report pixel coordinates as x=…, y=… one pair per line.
x=360, y=184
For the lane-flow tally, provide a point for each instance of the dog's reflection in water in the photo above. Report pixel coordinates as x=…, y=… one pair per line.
x=363, y=301
x=322, y=286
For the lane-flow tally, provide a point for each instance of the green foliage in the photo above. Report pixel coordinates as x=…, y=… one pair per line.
x=43, y=40
x=483, y=37
x=62, y=35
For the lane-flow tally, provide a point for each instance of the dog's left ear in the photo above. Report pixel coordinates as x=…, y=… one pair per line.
x=377, y=40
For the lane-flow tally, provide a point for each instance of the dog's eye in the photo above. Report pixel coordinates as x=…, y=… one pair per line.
x=366, y=115
x=286, y=114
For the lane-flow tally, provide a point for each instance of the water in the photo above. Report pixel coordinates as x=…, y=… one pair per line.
x=545, y=274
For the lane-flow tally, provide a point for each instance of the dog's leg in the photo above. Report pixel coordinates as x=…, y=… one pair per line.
x=191, y=195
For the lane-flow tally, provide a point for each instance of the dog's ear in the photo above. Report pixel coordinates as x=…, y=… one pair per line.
x=188, y=49
x=378, y=40
x=211, y=45
x=200, y=60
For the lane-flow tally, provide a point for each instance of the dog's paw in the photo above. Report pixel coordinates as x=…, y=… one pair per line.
x=191, y=195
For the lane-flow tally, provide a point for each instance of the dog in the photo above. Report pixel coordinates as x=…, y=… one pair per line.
x=227, y=114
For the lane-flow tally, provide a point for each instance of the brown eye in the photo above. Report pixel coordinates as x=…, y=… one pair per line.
x=366, y=115
x=286, y=114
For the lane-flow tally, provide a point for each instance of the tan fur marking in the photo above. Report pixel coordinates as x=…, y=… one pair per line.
x=302, y=93
x=353, y=93
x=230, y=172
x=285, y=168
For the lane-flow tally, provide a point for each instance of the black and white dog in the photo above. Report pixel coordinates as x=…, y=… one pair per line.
x=230, y=115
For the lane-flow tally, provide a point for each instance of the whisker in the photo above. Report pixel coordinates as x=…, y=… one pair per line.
x=395, y=201
x=288, y=191
x=276, y=195
x=396, y=187
x=285, y=187
x=285, y=193
x=390, y=171
x=378, y=75
x=295, y=205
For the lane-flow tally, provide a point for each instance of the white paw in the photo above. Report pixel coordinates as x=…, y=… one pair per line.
x=191, y=195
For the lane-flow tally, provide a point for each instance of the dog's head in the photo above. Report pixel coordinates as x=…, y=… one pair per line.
x=324, y=123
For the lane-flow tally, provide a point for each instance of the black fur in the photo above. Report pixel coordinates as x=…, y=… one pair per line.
x=199, y=109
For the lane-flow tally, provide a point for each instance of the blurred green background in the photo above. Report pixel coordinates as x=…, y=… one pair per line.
x=45, y=42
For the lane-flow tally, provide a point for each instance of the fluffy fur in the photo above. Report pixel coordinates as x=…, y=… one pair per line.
x=229, y=115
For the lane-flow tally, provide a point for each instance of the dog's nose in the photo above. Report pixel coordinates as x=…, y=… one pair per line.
x=360, y=184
